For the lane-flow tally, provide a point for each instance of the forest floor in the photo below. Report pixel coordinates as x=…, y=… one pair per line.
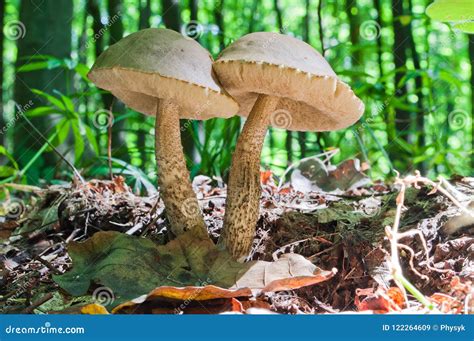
x=344, y=230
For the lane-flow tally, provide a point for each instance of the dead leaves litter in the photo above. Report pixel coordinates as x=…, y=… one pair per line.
x=138, y=271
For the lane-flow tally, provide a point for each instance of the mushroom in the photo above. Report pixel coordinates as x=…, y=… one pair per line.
x=160, y=72
x=281, y=81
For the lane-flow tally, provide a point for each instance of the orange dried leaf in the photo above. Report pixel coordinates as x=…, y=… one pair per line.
x=185, y=294
x=379, y=301
x=265, y=176
x=94, y=309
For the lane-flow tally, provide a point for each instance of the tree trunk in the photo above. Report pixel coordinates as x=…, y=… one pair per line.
x=378, y=8
x=471, y=57
x=3, y=139
x=143, y=22
x=402, y=117
x=252, y=16
x=289, y=134
x=171, y=15
x=279, y=16
x=219, y=19
x=48, y=32
x=145, y=15
x=94, y=10
x=420, y=115
x=302, y=135
x=115, y=11
x=193, y=9
x=354, y=32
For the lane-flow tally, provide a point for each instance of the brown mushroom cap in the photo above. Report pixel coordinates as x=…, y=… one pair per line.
x=279, y=65
x=161, y=63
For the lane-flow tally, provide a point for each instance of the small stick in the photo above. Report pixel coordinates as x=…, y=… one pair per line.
x=34, y=305
x=23, y=188
x=47, y=264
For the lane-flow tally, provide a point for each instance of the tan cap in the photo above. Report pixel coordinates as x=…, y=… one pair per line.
x=161, y=63
x=312, y=97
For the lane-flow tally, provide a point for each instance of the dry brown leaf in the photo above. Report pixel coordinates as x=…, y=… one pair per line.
x=447, y=304
x=290, y=271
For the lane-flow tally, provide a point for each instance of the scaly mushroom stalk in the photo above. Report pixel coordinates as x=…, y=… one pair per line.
x=244, y=190
x=182, y=207
x=306, y=95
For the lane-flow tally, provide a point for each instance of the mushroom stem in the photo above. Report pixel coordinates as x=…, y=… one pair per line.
x=182, y=207
x=244, y=190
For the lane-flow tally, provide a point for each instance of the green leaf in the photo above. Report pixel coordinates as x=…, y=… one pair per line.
x=82, y=70
x=6, y=171
x=4, y=151
x=132, y=266
x=62, y=129
x=451, y=10
x=79, y=145
x=91, y=138
x=66, y=100
x=51, y=99
x=33, y=66
x=40, y=111
x=137, y=174
x=466, y=27
x=458, y=12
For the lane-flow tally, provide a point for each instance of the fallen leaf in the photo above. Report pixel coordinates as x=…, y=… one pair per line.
x=313, y=175
x=447, y=304
x=381, y=301
x=290, y=271
x=132, y=266
x=129, y=267
x=180, y=298
x=86, y=309
x=265, y=176
x=94, y=309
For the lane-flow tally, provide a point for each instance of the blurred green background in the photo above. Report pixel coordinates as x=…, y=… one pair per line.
x=414, y=74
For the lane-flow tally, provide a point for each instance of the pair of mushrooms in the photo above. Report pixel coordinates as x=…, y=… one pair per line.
x=260, y=76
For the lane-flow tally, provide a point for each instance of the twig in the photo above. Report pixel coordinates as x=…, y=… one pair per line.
x=412, y=264
x=134, y=229
x=154, y=220
x=48, y=265
x=282, y=249
x=320, y=26
x=38, y=303
x=394, y=236
x=321, y=252
x=23, y=188
x=73, y=235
